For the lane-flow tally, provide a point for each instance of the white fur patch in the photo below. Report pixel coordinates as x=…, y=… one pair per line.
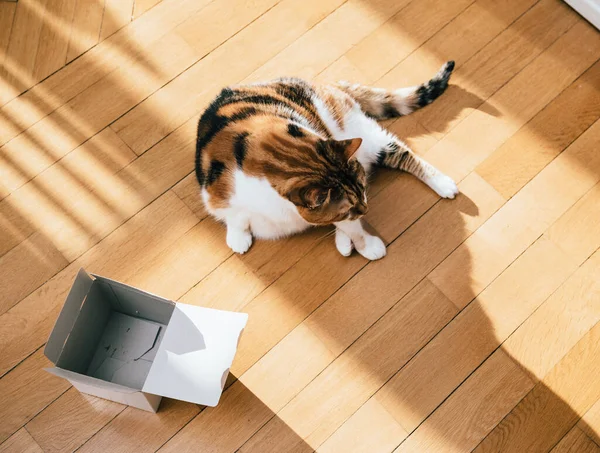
x=267, y=213
x=374, y=137
x=327, y=117
x=357, y=125
x=403, y=98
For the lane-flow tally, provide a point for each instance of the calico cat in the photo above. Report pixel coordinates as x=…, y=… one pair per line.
x=275, y=158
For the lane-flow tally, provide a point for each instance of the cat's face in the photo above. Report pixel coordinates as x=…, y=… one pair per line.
x=337, y=190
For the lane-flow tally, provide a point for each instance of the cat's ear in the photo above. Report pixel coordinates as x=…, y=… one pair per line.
x=310, y=196
x=350, y=147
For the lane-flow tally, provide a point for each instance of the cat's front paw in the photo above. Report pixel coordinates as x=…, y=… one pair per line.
x=444, y=186
x=239, y=240
x=343, y=243
x=372, y=248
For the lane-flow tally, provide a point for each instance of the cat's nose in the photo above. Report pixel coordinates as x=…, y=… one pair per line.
x=359, y=210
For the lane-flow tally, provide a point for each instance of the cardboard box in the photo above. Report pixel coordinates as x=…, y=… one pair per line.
x=122, y=344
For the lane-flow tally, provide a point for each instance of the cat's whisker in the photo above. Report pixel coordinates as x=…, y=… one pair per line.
x=326, y=235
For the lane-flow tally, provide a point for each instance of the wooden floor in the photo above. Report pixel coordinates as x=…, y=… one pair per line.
x=480, y=331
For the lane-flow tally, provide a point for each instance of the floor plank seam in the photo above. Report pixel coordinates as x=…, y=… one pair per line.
x=27, y=431
x=202, y=408
x=591, y=438
x=43, y=408
x=21, y=361
x=101, y=428
x=101, y=24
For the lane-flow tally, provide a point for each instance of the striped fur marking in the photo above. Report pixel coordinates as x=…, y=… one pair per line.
x=216, y=169
x=429, y=92
x=294, y=130
x=240, y=147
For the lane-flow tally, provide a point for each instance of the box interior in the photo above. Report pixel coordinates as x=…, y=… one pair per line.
x=116, y=334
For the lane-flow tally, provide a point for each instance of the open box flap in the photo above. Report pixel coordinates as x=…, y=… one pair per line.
x=135, y=302
x=195, y=354
x=68, y=315
x=88, y=380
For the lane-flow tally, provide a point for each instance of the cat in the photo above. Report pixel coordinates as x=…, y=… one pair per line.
x=275, y=158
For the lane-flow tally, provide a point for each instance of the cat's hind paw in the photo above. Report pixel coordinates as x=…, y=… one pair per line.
x=239, y=240
x=373, y=248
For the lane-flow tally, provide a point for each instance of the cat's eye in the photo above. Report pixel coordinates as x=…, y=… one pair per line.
x=336, y=194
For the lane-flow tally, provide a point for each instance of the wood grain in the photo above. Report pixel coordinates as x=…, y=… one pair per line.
x=140, y=132
x=117, y=14
x=26, y=391
x=495, y=64
x=464, y=419
x=504, y=237
x=554, y=405
x=355, y=374
x=137, y=39
x=26, y=326
x=134, y=431
x=7, y=14
x=517, y=101
x=188, y=190
x=370, y=426
x=19, y=59
x=141, y=6
x=590, y=423
x=512, y=165
x=26, y=267
x=576, y=442
x=413, y=393
x=71, y=420
x=75, y=202
x=258, y=338
x=85, y=33
x=577, y=230
x=561, y=321
x=306, y=57
x=22, y=442
x=54, y=38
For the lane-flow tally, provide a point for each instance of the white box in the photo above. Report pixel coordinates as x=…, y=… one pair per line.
x=589, y=9
x=122, y=344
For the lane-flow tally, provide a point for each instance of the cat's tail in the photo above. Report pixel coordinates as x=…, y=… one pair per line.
x=383, y=104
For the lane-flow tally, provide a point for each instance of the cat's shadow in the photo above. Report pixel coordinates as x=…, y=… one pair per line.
x=415, y=213
x=447, y=111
